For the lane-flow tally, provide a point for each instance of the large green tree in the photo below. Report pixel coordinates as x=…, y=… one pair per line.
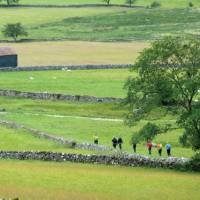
x=169, y=75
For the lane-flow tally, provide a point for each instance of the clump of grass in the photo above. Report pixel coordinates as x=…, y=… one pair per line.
x=155, y=4
x=190, y=4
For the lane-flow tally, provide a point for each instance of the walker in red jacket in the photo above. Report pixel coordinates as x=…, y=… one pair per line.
x=149, y=146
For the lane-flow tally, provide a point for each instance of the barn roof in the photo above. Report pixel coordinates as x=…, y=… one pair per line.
x=5, y=51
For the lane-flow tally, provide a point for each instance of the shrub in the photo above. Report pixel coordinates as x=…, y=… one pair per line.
x=135, y=139
x=195, y=163
x=183, y=140
x=155, y=4
x=190, y=4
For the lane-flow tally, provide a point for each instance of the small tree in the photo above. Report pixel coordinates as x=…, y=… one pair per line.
x=14, y=31
x=130, y=2
x=9, y=2
x=190, y=4
x=107, y=1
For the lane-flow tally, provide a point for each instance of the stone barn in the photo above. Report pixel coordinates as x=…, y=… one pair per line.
x=8, y=57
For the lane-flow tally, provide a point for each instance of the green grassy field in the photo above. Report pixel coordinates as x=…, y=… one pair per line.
x=165, y=3
x=101, y=83
x=76, y=52
x=101, y=110
x=82, y=121
x=115, y=27
x=102, y=24
x=83, y=130
x=20, y=140
x=44, y=180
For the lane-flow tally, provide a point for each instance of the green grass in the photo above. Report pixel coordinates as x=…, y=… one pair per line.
x=44, y=180
x=103, y=24
x=101, y=83
x=76, y=122
x=20, y=140
x=102, y=110
x=29, y=17
x=165, y=3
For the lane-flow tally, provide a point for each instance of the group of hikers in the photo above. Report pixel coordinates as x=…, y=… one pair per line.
x=150, y=145
x=118, y=142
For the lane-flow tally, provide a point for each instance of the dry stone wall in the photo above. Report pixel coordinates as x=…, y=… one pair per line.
x=118, y=158
x=65, y=68
x=55, y=96
x=132, y=160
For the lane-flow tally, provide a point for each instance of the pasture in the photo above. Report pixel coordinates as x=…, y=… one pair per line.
x=20, y=140
x=81, y=121
x=44, y=180
x=78, y=36
x=165, y=3
x=103, y=23
x=101, y=83
x=76, y=52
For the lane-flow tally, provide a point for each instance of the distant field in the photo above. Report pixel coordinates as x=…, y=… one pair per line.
x=101, y=83
x=165, y=3
x=102, y=24
x=76, y=53
x=35, y=180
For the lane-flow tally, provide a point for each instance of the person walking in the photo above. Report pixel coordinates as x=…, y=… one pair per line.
x=149, y=146
x=96, y=140
x=134, y=147
x=114, y=142
x=168, y=149
x=159, y=147
x=120, y=142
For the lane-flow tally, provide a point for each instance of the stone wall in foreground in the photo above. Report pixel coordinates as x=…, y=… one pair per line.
x=132, y=160
x=55, y=96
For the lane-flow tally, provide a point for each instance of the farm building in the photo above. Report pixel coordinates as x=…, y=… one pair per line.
x=8, y=57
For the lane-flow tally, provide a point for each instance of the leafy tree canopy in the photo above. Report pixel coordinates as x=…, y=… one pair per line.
x=168, y=75
x=14, y=31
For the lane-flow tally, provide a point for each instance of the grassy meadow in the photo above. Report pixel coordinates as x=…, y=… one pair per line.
x=103, y=23
x=164, y=3
x=76, y=52
x=101, y=83
x=44, y=180
x=88, y=35
x=20, y=140
x=81, y=121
